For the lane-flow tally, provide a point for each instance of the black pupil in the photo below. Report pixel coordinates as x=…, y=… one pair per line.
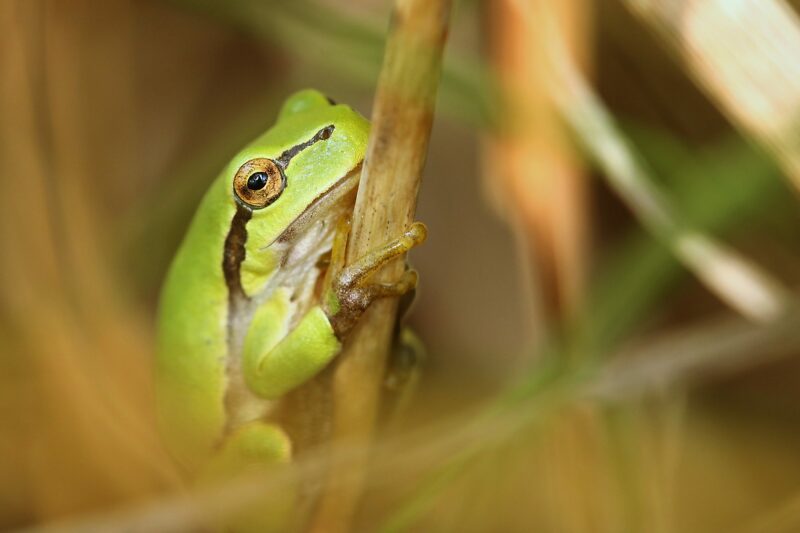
x=257, y=181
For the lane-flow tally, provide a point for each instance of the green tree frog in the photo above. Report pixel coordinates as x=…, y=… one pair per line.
x=257, y=300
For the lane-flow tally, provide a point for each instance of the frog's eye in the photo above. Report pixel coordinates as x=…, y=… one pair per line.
x=259, y=182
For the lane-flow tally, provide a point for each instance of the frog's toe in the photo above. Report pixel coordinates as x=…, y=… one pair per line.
x=417, y=232
x=369, y=292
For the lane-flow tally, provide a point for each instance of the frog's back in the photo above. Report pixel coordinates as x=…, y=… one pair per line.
x=190, y=362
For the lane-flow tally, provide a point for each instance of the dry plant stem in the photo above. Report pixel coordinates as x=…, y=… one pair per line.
x=385, y=206
x=532, y=172
x=745, y=56
x=718, y=347
x=735, y=279
x=537, y=179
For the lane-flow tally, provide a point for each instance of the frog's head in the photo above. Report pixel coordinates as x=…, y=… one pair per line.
x=296, y=172
x=304, y=101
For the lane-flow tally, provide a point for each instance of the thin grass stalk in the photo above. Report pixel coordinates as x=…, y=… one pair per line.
x=385, y=206
x=746, y=56
x=532, y=172
x=737, y=280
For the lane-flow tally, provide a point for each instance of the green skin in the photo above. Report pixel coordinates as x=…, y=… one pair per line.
x=236, y=335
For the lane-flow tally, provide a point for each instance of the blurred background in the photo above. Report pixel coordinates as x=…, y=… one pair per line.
x=608, y=293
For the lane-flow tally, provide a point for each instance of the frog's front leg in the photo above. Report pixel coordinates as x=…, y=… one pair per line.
x=271, y=371
x=350, y=293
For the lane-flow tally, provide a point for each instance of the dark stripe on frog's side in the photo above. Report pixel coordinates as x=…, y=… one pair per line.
x=234, y=255
x=232, y=258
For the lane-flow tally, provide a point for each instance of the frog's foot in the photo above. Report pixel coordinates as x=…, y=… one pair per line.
x=350, y=290
x=254, y=444
x=252, y=447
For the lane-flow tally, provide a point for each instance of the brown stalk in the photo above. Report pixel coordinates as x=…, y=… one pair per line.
x=540, y=187
x=385, y=206
x=531, y=166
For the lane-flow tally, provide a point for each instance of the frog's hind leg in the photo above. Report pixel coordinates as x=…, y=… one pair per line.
x=403, y=374
x=407, y=359
x=256, y=446
x=252, y=444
